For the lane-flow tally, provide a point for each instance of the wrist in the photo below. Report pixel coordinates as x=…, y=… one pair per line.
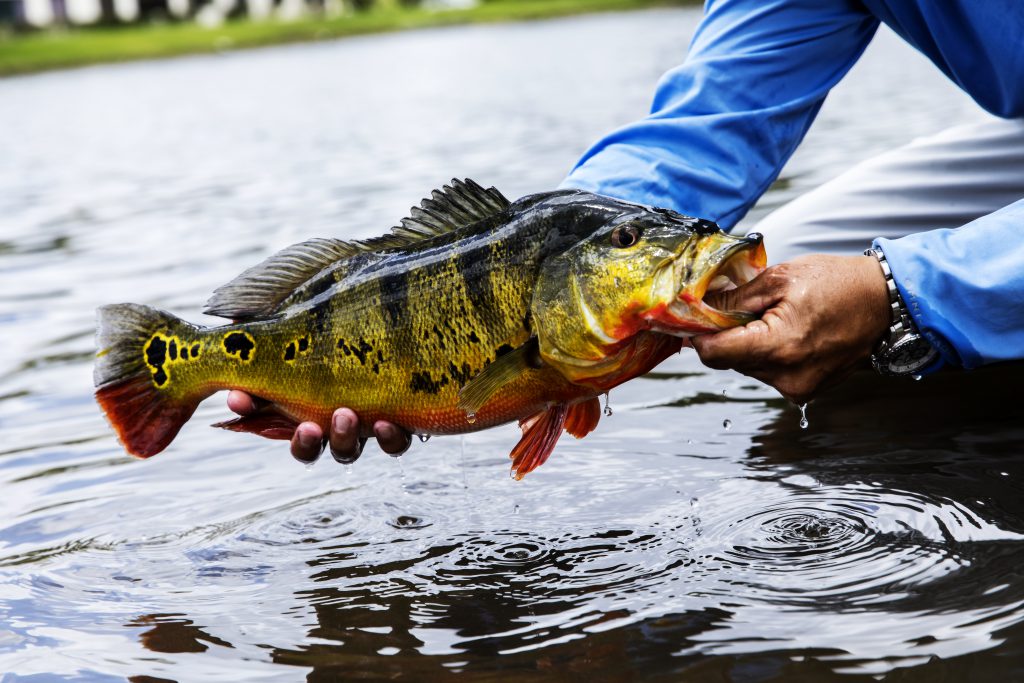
x=876, y=300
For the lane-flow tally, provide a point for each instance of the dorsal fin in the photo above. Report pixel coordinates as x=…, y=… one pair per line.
x=259, y=291
x=454, y=206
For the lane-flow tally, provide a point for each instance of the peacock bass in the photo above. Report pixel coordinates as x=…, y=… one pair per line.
x=473, y=312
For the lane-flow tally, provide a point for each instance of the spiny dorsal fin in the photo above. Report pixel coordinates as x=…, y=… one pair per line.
x=454, y=206
x=258, y=291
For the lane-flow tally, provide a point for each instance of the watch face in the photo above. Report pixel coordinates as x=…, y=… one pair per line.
x=910, y=354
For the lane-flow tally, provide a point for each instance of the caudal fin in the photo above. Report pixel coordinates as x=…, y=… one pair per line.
x=138, y=352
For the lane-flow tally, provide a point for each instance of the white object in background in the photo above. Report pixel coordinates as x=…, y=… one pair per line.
x=83, y=11
x=179, y=9
x=290, y=10
x=126, y=10
x=259, y=9
x=39, y=12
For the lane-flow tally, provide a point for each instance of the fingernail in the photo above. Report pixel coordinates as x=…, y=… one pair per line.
x=341, y=423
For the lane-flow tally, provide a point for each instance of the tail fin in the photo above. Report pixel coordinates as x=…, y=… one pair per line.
x=136, y=347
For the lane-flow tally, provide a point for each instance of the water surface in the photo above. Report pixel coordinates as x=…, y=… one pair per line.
x=699, y=534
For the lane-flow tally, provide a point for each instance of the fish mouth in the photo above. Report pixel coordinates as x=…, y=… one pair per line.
x=730, y=263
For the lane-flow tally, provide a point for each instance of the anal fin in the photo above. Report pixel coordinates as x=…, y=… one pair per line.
x=267, y=422
x=583, y=417
x=540, y=434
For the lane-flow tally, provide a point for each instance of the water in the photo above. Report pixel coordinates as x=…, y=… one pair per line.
x=885, y=541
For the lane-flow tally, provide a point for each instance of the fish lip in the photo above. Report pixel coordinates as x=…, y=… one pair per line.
x=688, y=314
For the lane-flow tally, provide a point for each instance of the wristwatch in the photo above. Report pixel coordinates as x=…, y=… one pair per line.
x=903, y=351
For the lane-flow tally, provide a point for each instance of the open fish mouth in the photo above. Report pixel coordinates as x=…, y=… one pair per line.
x=732, y=262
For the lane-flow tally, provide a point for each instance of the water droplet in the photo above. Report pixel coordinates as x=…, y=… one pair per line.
x=470, y=418
x=348, y=470
x=515, y=510
x=727, y=423
x=803, y=417
x=607, y=408
x=423, y=437
x=724, y=392
x=310, y=465
x=689, y=441
x=917, y=378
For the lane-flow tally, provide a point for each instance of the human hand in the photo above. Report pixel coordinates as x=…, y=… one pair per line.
x=821, y=317
x=346, y=445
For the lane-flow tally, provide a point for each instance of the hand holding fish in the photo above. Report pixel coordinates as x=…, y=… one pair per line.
x=821, y=317
x=308, y=441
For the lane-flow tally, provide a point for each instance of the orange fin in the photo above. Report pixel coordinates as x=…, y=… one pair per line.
x=144, y=420
x=540, y=434
x=268, y=423
x=583, y=417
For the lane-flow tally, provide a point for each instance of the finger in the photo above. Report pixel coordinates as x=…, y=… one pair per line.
x=756, y=296
x=737, y=347
x=346, y=446
x=244, y=404
x=308, y=442
x=392, y=439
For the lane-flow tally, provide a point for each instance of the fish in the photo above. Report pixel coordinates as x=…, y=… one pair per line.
x=473, y=312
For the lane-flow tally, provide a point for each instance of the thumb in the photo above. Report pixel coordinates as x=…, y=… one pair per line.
x=756, y=296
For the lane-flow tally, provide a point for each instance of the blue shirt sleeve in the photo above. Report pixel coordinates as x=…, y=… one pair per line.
x=724, y=122
x=965, y=287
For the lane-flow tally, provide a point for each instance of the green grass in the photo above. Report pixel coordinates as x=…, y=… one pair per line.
x=26, y=53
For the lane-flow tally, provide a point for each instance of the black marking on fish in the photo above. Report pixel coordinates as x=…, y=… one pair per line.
x=156, y=358
x=394, y=292
x=460, y=375
x=173, y=351
x=195, y=349
x=423, y=383
x=239, y=344
x=303, y=344
x=289, y=351
x=502, y=350
x=473, y=266
x=361, y=350
x=380, y=357
x=473, y=338
x=376, y=369
x=344, y=348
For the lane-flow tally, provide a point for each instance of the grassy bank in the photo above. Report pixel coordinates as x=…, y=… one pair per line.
x=32, y=52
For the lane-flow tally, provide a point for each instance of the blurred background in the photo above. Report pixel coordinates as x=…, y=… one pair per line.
x=699, y=534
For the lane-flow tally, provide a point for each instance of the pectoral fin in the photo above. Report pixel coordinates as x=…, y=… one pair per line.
x=504, y=370
x=540, y=434
x=268, y=423
x=583, y=417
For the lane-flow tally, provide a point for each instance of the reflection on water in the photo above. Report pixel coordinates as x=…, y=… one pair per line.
x=700, y=533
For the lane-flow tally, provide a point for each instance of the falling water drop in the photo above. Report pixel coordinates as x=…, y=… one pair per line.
x=310, y=465
x=917, y=378
x=423, y=437
x=470, y=418
x=727, y=423
x=607, y=408
x=347, y=467
x=803, y=417
x=515, y=510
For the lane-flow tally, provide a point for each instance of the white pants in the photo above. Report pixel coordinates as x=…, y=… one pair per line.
x=940, y=181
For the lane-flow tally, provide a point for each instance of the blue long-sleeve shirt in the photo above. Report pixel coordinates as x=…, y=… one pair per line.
x=724, y=123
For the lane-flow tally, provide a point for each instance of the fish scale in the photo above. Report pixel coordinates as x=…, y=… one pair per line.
x=471, y=313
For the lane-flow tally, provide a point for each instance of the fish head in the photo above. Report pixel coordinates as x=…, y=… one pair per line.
x=644, y=270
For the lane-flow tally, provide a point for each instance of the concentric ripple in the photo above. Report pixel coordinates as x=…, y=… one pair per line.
x=852, y=545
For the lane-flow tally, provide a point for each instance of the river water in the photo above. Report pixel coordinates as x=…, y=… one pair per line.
x=698, y=534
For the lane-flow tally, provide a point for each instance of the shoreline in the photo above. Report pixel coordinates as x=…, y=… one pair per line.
x=50, y=50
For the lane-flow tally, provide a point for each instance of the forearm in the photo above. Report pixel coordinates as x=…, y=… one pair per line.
x=724, y=122
x=965, y=287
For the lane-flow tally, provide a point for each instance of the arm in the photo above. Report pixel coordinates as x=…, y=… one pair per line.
x=724, y=122
x=965, y=287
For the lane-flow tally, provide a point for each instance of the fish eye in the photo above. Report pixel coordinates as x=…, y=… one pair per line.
x=625, y=236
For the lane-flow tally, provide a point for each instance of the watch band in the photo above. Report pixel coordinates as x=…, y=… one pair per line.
x=903, y=351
